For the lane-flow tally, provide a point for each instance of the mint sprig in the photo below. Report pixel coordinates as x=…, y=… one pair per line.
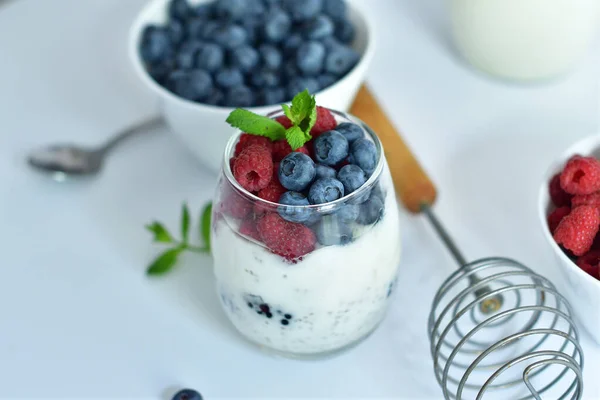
x=302, y=113
x=167, y=259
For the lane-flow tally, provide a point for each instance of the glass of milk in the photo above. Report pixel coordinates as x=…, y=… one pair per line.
x=336, y=293
x=524, y=40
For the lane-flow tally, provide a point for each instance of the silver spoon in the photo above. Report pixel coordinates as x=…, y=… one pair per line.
x=65, y=160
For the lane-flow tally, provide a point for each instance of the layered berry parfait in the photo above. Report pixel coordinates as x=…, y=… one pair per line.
x=305, y=232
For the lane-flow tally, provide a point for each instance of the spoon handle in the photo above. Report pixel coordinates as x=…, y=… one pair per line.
x=128, y=132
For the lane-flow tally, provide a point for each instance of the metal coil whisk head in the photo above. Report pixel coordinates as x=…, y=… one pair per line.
x=500, y=331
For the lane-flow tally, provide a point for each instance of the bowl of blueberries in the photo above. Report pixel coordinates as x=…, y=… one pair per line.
x=203, y=58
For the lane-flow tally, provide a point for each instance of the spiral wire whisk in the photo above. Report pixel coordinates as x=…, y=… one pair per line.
x=499, y=330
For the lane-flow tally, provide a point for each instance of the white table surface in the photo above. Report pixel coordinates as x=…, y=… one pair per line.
x=78, y=317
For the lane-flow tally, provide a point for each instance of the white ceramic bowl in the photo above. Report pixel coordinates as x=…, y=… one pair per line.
x=580, y=289
x=202, y=128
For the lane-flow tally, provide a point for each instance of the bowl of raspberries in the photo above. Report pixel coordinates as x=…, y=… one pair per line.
x=203, y=58
x=569, y=209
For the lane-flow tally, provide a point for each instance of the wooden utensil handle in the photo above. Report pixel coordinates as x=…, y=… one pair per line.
x=412, y=183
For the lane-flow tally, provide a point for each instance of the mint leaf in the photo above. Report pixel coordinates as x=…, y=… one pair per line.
x=185, y=223
x=312, y=119
x=295, y=137
x=205, y=226
x=256, y=124
x=288, y=112
x=164, y=262
x=303, y=105
x=160, y=232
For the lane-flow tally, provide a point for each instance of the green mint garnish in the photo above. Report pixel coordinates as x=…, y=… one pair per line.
x=302, y=113
x=167, y=259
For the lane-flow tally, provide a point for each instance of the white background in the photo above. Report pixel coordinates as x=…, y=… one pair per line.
x=78, y=317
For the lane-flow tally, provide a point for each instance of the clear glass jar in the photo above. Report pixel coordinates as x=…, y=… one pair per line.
x=334, y=295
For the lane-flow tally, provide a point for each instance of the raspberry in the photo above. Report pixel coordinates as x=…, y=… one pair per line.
x=281, y=148
x=288, y=239
x=246, y=140
x=236, y=206
x=325, y=122
x=556, y=216
x=274, y=190
x=285, y=121
x=576, y=231
x=581, y=176
x=557, y=194
x=253, y=168
x=592, y=199
x=248, y=228
x=590, y=263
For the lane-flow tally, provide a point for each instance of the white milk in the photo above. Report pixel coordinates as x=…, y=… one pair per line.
x=524, y=39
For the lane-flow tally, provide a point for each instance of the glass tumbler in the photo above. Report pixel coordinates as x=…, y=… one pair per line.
x=336, y=292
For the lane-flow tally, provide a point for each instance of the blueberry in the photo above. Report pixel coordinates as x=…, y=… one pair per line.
x=332, y=232
x=344, y=31
x=318, y=28
x=187, y=53
x=256, y=8
x=245, y=58
x=208, y=29
x=193, y=85
x=229, y=36
x=204, y=11
x=265, y=78
x=303, y=10
x=231, y=9
x=270, y=96
x=195, y=28
x=335, y=9
x=229, y=77
x=179, y=9
x=294, y=214
x=210, y=57
x=352, y=177
x=277, y=25
x=370, y=211
x=364, y=155
x=270, y=56
x=325, y=190
x=330, y=43
x=187, y=394
x=176, y=32
x=296, y=171
x=155, y=45
x=291, y=43
x=350, y=131
x=323, y=171
x=290, y=70
x=215, y=98
x=310, y=57
x=300, y=83
x=341, y=60
x=348, y=213
x=331, y=148
x=252, y=27
x=160, y=71
x=239, y=96
x=326, y=80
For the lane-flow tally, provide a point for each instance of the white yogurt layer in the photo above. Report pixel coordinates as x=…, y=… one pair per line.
x=335, y=296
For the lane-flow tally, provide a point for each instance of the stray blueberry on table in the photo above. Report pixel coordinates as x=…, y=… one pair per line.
x=350, y=131
x=187, y=394
x=310, y=57
x=331, y=148
x=325, y=190
x=318, y=28
x=364, y=154
x=277, y=25
x=296, y=171
x=285, y=322
x=294, y=214
x=340, y=60
x=323, y=171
